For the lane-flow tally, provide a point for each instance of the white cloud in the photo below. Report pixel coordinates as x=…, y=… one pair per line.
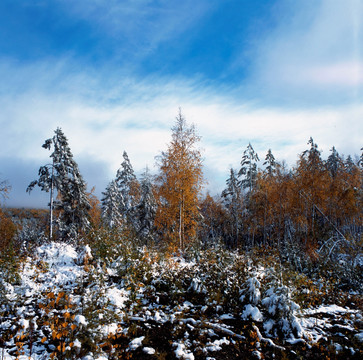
x=99, y=131
x=314, y=52
x=345, y=74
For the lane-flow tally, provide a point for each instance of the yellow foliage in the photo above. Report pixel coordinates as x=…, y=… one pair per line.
x=180, y=179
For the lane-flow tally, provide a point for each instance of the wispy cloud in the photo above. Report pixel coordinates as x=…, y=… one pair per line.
x=313, y=54
x=139, y=26
x=140, y=120
x=305, y=80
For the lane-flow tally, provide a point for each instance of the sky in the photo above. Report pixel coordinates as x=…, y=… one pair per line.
x=113, y=74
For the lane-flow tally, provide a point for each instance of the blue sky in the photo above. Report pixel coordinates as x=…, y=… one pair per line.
x=113, y=74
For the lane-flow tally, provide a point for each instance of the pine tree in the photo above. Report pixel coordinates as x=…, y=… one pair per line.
x=233, y=201
x=248, y=168
x=146, y=209
x=63, y=175
x=350, y=167
x=333, y=162
x=180, y=180
x=111, y=203
x=128, y=187
x=270, y=162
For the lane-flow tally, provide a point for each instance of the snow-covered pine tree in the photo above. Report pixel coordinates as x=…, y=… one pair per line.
x=63, y=175
x=312, y=156
x=333, y=162
x=248, y=170
x=233, y=201
x=361, y=158
x=270, y=163
x=146, y=209
x=349, y=165
x=128, y=187
x=111, y=203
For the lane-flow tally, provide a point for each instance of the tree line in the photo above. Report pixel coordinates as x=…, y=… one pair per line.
x=315, y=206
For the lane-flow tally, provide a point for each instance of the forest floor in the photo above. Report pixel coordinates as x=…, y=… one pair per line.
x=97, y=302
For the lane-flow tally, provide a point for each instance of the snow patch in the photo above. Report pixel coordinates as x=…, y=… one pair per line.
x=182, y=353
x=117, y=297
x=80, y=320
x=149, y=350
x=251, y=312
x=137, y=342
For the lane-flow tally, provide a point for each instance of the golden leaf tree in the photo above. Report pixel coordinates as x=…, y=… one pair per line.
x=180, y=183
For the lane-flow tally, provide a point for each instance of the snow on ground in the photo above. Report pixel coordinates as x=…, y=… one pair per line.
x=174, y=295
x=318, y=322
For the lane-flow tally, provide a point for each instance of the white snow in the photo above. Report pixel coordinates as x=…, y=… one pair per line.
x=359, y=336
x=117, y=297
x=216, y=345
x=329, y=309
x=182, y=353
x=252, y=312
x=148, y=350
x=137, y=342
x=80, y=320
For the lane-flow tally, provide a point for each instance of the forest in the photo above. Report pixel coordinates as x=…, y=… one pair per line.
x=158, y=268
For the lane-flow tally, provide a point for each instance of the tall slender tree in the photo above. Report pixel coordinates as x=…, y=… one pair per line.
x=333, y=162
x=146, y=209
x=63, y=175
x=248, y=171
x=180, y=182
x=111, y=203
x=270, y=163
x=233, y=201
x=128, y=187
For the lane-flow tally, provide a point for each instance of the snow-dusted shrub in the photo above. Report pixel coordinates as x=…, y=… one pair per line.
x=197, y=286
x=250, y=296
x=280, y=313
x=250, y=293
x=30, y=235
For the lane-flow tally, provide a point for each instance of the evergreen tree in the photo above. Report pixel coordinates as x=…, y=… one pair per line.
x=63, y=175
x=111, y=202
x=146, y=209
x=312, y=156
x=128, y=187
x=270, y=162
x=248, y=168
x=350, y=167
x=233, y=201
x=333, y=162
